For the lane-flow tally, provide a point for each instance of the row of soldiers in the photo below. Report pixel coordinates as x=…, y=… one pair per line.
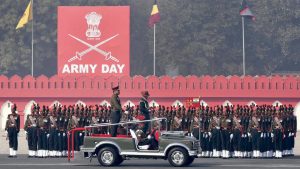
x=47, y=130
x=264, y=131
x=242, y=131
x=246, y=131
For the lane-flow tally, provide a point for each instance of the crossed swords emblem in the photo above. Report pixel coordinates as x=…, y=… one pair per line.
x=107, y=55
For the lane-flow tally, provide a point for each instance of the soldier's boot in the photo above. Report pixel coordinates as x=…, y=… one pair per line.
x=244, y=154
x=10, y=152
x=249, y=154
x=254, y=154
x=223, y=154
x=214, y=153
x=227, y=154
x=280, y=154
x=40, y=153
x=14, y=152
x=207, y=154
x=270, y=154
x=261, y=154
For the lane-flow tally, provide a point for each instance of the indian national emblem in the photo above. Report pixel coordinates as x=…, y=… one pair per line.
x=93, y=21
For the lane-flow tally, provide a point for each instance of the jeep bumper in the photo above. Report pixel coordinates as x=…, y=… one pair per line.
x=193, y=152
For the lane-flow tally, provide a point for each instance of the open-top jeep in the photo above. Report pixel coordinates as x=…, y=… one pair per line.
x=176, y=147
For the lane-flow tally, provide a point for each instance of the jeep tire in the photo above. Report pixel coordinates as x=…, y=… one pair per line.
x=108, y=156
x=119, y=160
x=178, y=157
x=190, y=161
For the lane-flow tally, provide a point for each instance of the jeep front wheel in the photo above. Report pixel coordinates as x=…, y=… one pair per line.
x=178, y=157
x=107, y=156
x=189, y=161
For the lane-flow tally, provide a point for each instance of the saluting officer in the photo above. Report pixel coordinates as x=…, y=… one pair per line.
x=13, y=127
x=116, y=111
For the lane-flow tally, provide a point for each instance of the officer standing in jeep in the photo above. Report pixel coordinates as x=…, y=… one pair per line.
x=115, y=115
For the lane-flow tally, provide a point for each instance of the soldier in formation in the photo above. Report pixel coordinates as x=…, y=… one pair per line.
x=12, y=128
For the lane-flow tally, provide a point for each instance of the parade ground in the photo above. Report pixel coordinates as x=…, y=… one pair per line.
x=23, y=162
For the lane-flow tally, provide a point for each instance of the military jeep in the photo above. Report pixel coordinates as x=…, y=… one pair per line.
x=174, y=146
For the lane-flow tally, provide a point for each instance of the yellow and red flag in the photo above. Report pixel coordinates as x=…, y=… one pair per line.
x=154, y=17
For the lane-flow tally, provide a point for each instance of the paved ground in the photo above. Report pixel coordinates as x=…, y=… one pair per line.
x=22, y=162
x=23, y=148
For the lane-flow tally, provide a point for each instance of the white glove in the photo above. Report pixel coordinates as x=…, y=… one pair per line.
x=64, y=134
x=209, y=133
x=231, y=136
x=58, y=134
x=272, y=135
x=249, y=134
x=80, y=134
x=148, y=136
x=126, y=112
x=290, y=134
x=293, y=134
x=261, y=135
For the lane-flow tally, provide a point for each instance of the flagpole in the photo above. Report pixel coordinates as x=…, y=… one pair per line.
x=154, y=51
x=243, y=25
x=32, y=40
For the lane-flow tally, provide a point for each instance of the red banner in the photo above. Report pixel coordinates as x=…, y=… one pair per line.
x=93, y=41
